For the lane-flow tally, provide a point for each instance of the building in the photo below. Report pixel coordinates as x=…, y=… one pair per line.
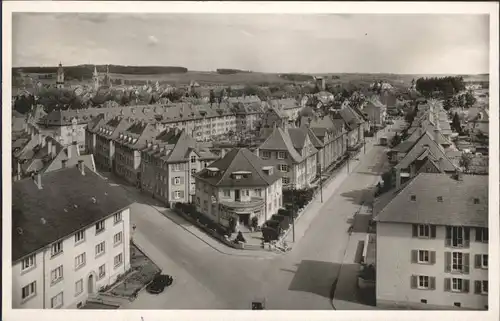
x=60, y=77
x=70, y=237
x=432, y=244
x=376, y=112
x=292, y=154
x=274, y=117
x=239, y=186
x=168, y=164
x=288, y=106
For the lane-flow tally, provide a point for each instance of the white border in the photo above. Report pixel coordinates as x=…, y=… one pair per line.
x=250, y=7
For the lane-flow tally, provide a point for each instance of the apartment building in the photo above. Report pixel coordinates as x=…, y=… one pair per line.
x=432, y=244
x=239, y=186
x=292, y=153
x=375, y=111
x=70, y=237
x=128, y=146
x=288, y=106
x=331, y=135
x=168, y=163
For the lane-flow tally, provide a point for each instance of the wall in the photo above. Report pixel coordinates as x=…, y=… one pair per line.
x=70, y=275
x=394, y=268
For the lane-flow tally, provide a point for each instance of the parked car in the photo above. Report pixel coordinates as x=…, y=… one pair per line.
x=159, y=283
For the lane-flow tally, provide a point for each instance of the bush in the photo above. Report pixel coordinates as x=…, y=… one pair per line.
x=269, y=234
x=232, y=224
x=276, y=225
x=255, y=222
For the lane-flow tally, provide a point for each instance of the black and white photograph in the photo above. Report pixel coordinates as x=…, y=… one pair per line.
x=194, y=160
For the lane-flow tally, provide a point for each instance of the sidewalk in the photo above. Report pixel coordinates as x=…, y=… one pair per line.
x=303, y=222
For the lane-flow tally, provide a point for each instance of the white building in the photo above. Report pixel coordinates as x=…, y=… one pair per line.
x=432, y=244
x=70, y=237
x=241, y=186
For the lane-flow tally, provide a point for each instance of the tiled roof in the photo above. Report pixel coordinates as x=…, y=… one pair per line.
x=458, y=206
x=63, y=206
x=238, y=160
x=279, y=140
x=436, y=152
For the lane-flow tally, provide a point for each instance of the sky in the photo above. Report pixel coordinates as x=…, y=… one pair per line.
x=309, y=43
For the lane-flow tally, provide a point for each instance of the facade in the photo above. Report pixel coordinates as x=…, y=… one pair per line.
x=292, y=154
x=63, y=254
x=168, y=164
x=239, y=186
x=438, y=226
x=376, y=112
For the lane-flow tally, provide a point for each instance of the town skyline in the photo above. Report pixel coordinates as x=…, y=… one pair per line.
x=268, y=43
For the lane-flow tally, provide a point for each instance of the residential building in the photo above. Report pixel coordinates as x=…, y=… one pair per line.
x=438, y=226
x=274, y=117
x=288, y=106
x=70, y=238
x=239, y=186
x=375, y=111
x=168, y=164
x=354, y=124
x=292, y=153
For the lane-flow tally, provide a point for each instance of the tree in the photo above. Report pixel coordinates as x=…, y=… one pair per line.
x=212, y=96
x=470, y=100
x=456, y=124
x=465, y=161
x=388, y=179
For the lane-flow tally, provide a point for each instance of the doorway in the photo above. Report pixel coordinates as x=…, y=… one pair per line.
x=91, y=284
x=244, y=219
x=237, y=196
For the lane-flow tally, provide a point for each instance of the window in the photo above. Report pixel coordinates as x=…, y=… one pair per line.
x=423, y=256
x=484, y=287
x=117, y=218
x=440, y=199
x=79, y=237
x=193, y=171
x=266, y=154
x=102, y=271
x=457, y=236
x=457, y=261
x=177, y=180
x=100, y=248
x=177, y=195
x=56, y=275
x=258, y=192
x=118, y=260
x=476, y=200
x=193, y=159
x=28, y=263
x=227, y=193
x=482, y=234
x=246, y=192
x=423, y=231
x=423, y=282
x=28, y=291
x=286, y=180
x=99, y=227
x=176, y=167
x=79, y=261
x=56, y=248
x=281, y=155
x=57, y=301
x=78, y=287
x=484, y=261
x=283, y=168
x=413, y=197
x=117, y=238
x=457, y=285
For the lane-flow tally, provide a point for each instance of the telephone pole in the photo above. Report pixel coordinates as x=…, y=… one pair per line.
x=321, y=183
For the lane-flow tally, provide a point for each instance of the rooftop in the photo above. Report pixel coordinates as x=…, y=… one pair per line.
x=67, y=202
x=439, y=199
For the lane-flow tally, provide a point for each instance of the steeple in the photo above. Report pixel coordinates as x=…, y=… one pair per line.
x=60, y=77
x=96, y=79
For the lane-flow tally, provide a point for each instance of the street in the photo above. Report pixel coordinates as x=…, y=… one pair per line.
x=208, y=275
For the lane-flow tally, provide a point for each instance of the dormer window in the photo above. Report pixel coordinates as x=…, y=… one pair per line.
x=440, y=199
x=413, y=198
x=476, y=200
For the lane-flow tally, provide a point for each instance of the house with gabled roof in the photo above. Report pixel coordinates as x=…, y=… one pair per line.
x=331, y=136
x=438, y=225
x=423, y=151
x=376, y=112
x=354, y=124
x=292, y=153
x=239, y=186
x=168, y=164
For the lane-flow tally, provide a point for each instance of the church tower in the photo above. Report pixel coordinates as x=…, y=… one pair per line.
x=95, y=77
x=60, y=77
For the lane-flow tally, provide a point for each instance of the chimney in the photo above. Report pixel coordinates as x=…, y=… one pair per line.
x=397, y=171
x=81, y=167
x=69, y=151
x=63, y=163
